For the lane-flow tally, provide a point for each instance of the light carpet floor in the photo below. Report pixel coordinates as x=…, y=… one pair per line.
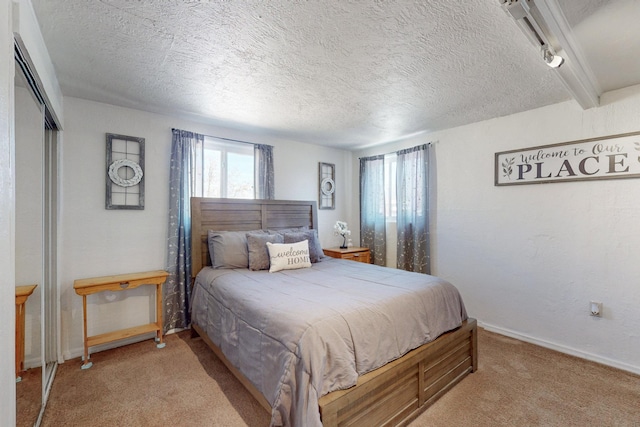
x=184, y=384
x=29, y=397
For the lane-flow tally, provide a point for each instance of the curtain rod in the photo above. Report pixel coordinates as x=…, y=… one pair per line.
x=395, y=152
x=224, y=139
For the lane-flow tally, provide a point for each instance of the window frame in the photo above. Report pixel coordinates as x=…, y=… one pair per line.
x=225, y=148
x=390, y=187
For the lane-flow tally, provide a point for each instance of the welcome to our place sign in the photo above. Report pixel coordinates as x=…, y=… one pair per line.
x=611, y=157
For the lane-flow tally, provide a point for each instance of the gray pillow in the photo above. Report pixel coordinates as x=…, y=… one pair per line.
x=284, y=231
x=228, y=249
x=313, y=242
x=258, y=252
x=315, y=249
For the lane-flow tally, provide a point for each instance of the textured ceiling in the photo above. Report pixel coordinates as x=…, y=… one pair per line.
x=339, y=73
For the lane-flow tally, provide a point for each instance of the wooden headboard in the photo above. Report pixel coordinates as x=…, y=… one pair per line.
x=239, y=215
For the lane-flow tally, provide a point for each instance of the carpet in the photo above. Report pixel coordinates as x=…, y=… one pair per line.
x=184, y=384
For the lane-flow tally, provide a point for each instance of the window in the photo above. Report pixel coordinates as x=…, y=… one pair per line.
x=390, y=206
x=227, y=169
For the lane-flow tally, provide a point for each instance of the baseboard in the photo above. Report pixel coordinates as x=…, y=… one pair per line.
x=74, y=353
x=561, y=348
x=78, y=352
x=32, y=362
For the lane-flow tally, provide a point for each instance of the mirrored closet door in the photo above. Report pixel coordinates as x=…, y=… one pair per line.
x=36, y=160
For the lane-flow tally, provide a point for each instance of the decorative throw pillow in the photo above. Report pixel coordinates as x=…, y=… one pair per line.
x=258, y=253
x=228, y=249
x=288, y=256
x=315, y=249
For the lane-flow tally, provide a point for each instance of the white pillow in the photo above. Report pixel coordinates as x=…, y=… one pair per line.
x=288, y=256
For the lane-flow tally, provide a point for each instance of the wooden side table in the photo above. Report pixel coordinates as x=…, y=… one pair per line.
x=22, y=293
x=120, y=282
x=353, y=254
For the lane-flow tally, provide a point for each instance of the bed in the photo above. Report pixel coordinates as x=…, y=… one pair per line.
x=385, y=392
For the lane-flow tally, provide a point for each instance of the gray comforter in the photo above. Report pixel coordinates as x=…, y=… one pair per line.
x=300, y=334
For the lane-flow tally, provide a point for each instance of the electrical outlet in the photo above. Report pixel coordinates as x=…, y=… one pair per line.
x=596, y=308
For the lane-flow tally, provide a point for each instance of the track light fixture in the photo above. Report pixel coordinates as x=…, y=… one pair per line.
x=552, y=60
x=544, y=24
x=528, y=18
x=530, y=21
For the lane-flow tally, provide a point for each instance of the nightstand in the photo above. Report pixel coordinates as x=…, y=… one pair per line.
x=353, y=254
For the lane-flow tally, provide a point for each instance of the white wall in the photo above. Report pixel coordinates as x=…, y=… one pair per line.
x=528, y=259
x=98, y=242
x=7, y=225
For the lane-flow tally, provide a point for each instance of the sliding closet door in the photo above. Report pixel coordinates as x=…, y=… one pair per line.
x=36, y=160
x=29, y=243
x=50, y=270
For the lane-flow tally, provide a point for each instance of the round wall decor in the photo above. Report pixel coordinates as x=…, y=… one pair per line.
x=327, y=186
x=118, y=180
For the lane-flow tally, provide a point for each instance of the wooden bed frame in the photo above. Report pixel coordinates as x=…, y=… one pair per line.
x=391, y=395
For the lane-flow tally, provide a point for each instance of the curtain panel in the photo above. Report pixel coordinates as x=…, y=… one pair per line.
x=412, y=192
x=186, y=149
x=186, y=181
x=263, y=158
x=372, y=208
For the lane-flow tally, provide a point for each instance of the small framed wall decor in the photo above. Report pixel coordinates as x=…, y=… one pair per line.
x=125, y=172
x=327, y=184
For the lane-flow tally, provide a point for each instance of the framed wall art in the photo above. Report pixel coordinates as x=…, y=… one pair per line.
x=125, y=172
x=327, y=186
x=607, y=157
